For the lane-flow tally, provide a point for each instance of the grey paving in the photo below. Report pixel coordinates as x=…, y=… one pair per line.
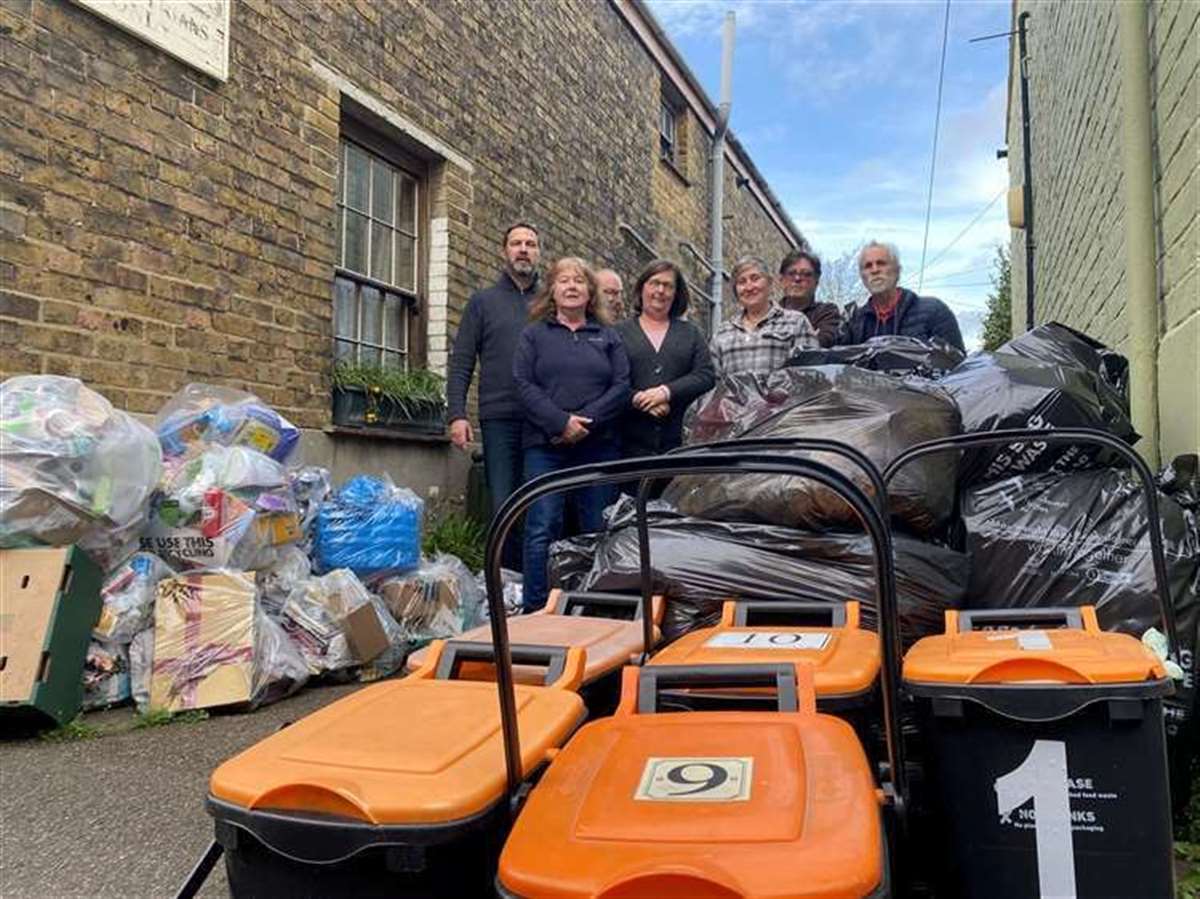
x=121, y=814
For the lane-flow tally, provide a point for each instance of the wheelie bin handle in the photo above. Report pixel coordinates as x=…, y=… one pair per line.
x=786, y=612
x=1072, y=435
x=455, y=652
x=653, y=679
x=741, y=462
x=980, y=619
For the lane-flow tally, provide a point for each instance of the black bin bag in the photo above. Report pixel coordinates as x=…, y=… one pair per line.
x=699, y=564
x=1050, y=377
x=893, y=354
x=1082, y=539
x=879, y=414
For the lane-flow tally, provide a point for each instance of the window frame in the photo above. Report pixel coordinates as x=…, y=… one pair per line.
x=668, y=143
x=415, y=300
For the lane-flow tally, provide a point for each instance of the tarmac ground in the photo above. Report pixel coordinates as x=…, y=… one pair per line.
x=122, y=813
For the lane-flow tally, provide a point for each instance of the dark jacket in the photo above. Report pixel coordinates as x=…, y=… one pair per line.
x=683, y=364
x=915, y=316
x=490, y=327
x=826, y=319
x=560, y=372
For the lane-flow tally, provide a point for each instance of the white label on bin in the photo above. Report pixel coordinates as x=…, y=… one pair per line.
x=703, y=779
x=1034, y=640
x=1042, y=777
x=811, y=640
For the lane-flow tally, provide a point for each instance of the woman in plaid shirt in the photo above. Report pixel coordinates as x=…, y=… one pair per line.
x=762, y=335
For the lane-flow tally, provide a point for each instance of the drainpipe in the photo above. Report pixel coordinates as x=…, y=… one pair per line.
x=717, y=170
x=1141, y=249
x=1027, y=162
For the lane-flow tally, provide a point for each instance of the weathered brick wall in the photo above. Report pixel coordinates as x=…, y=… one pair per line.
x=1175, y=89
x=1075, y=97
x=749, y=233
x=159, y=227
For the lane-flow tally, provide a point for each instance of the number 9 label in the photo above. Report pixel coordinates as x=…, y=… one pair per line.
x=709, y=779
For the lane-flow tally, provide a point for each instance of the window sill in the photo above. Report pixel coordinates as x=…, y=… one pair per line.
x=398, y=435
x=674, y=170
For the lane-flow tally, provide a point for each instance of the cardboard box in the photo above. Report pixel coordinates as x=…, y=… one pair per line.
x=49, y=602
x=364, y=633
x=203, y=641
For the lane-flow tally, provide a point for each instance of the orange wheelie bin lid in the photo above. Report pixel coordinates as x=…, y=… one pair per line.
x=844, y=658
x=422, y=750
x=1048, y=646
x=607, y=626
x=702, y=804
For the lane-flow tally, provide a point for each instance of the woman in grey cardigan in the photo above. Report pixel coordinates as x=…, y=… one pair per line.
x=668, y=359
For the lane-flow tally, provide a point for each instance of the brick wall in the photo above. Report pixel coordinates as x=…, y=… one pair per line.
x=159, y=227
x=1075, y=98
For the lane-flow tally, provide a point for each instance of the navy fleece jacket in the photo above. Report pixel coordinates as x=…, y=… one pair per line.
x=560, y=372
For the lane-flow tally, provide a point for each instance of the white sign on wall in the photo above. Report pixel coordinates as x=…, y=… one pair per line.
x=195, y=32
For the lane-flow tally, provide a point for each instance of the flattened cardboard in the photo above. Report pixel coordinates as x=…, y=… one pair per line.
x=217, y=637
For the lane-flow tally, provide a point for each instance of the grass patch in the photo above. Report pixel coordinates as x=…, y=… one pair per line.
x=73, y=730
x=452, y=532
x=162, y=717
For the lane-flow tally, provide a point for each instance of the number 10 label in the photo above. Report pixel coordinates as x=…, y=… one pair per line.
x=1042, y=777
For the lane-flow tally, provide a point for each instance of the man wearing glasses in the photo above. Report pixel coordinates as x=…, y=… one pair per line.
x=800, y=273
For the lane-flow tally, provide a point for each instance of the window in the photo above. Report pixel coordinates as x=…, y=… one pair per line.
x=376, y=285
x=668, y=131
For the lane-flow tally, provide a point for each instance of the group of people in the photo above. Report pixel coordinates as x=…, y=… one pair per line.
x=567, y=377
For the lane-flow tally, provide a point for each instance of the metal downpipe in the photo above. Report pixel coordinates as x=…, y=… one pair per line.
x=1141, y=246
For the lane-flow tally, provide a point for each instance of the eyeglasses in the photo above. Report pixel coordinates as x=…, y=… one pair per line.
x=795, y=275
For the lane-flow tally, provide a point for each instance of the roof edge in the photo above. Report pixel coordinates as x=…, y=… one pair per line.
x=636, y=12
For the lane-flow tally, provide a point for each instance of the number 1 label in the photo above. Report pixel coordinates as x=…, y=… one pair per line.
x=1042, y=777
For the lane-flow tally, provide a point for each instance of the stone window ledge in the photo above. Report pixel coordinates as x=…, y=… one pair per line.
x=674, y=170
x=392, y=435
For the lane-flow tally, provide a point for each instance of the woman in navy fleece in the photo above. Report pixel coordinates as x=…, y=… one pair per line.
x=572, y=378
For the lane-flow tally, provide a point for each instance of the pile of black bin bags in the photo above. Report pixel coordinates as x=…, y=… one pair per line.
x=1026, y=525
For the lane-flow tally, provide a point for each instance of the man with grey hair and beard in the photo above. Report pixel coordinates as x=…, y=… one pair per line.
x=892, y=309
x=612, y=293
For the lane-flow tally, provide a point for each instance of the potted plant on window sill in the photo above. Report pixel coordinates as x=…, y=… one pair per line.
x=386, y=397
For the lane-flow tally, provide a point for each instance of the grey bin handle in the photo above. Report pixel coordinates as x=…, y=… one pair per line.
x=622, y=606
x=455, y=652
x=1013, y=619
x=788, y=613
x=654, y=679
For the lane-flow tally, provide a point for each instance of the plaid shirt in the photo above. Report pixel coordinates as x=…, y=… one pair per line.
x=738, y=347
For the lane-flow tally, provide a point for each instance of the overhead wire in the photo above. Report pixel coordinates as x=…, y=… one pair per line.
x=937, y=120
x=961, y=234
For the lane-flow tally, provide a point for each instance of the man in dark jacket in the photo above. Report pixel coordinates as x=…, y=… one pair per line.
x=799, y=275
x=489, y=330
x=891, y=309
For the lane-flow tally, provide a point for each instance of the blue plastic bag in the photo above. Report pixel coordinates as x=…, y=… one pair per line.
x=370, y=526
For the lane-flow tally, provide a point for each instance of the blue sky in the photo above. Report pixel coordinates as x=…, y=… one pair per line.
x=835, y=101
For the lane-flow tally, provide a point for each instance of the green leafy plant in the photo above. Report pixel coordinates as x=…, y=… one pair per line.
x=409, y=391
x=159, y=717
x=452, y=532
x=1187, y=871
x=997, y=321
x=75, y=729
